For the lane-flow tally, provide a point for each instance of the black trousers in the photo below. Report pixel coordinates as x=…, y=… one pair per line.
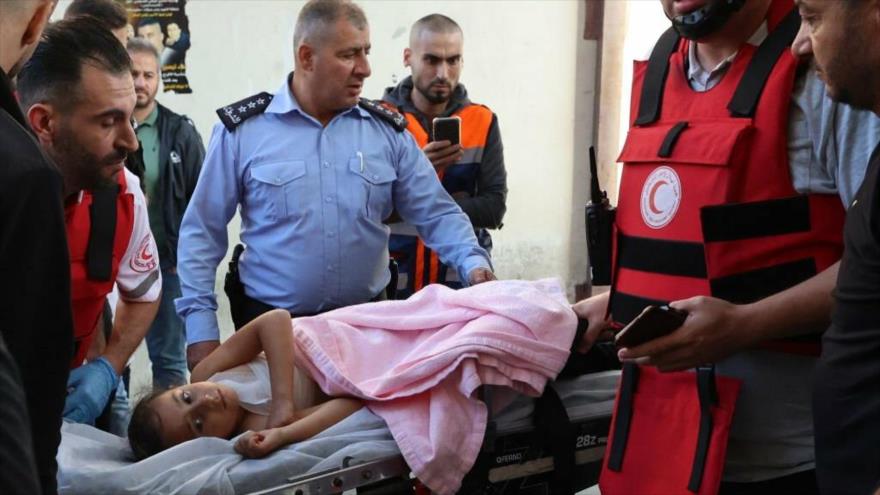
x=245, y=308
x=803, y=483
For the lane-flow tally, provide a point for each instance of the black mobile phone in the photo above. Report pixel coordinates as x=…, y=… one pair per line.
x=655, y=321
x=447, y=129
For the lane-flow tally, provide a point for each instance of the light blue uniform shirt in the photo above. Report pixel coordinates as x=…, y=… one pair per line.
x=312, y=203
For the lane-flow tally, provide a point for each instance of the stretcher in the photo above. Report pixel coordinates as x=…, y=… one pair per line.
x=356, y=454
x=518, y=457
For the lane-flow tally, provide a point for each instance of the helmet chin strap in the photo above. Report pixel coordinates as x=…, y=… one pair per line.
x=707, y=19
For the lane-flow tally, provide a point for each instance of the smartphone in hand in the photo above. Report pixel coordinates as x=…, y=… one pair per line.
x=447, y=129
x=655, y=321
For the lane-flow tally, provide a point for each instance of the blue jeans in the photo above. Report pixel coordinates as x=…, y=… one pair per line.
x=120, y=412
x=166, y=339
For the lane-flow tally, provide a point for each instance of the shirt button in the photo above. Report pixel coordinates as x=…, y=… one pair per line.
x=326, y=164
x=331, y=234
x=329, y=199
x=375, y=177
x=278, y=180
x=330, y=267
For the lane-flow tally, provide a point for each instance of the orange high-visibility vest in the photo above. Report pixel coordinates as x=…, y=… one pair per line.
x=420, y=263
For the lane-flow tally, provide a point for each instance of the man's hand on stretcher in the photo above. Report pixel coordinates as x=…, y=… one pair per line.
x=480, y=275
x=593, y=310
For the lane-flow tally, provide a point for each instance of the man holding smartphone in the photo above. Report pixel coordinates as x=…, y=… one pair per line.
x=469, y=160
x=757, y=293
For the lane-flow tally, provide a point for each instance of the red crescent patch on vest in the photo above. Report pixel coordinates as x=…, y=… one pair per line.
x=661, y=196
x=144, y=261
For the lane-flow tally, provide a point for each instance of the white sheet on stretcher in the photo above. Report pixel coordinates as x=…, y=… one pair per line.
x=91, y=461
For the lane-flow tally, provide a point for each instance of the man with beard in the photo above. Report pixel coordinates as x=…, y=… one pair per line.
x=79, y=96
x=172, y=156
x=841, y=36
x=471, y=171
x=316, y=169
x=35, y=319
x=746, y=243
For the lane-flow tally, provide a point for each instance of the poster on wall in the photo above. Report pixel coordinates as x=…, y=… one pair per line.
x=164, y=24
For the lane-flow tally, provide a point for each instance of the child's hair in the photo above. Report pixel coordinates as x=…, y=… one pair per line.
x=145, y=427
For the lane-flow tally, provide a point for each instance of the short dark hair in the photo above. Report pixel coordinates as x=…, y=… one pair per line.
x=148, y=21
x=317, y=15
x=54, y=72
x=110, y=13
x=145, y=427
x=435, y=23
x=141, y=45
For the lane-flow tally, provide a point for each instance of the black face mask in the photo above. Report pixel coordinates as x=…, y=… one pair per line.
x=707, y=19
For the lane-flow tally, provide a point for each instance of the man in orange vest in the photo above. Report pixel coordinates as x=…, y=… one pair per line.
x=472, y=172
x=79, y=95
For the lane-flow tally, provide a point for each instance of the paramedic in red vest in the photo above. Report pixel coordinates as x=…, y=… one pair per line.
x=79, y=95
x=758, y=226
x=472, y=172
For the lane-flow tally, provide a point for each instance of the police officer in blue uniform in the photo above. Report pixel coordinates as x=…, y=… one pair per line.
x=316, y=170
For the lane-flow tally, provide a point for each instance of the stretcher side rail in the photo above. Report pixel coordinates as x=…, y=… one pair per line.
x=346, y=478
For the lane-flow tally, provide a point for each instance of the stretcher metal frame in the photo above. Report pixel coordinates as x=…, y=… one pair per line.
x=513, y=461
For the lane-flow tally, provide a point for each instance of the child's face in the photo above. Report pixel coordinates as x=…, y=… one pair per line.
x=201, y=409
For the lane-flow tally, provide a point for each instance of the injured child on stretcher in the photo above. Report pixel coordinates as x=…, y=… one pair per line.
x=211, y=406
x=417, y=364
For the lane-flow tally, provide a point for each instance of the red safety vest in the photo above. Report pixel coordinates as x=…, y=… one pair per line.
x=98, y=232
x=421, y=263
x=708, y=204
x=707, y=208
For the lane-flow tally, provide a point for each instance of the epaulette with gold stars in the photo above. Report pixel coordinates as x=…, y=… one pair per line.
x=233, y=115
x=396, y=120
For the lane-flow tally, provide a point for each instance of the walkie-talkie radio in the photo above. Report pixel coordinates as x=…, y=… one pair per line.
x=600, y=224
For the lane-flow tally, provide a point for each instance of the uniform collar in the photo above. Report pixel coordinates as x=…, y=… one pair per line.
x=151, y=119
x=696, y=72
x=285, y=102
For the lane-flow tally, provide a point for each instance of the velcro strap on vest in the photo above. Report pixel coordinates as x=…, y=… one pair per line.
x=651, y=98
x=623, y=416
x=670, y=139
x=754, y=285
x=748, y=92
x=102, y=233
x=684, y=259
x=708, y=398
x=732, y=222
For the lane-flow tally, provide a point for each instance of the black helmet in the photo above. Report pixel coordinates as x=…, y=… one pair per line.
x=707, y=19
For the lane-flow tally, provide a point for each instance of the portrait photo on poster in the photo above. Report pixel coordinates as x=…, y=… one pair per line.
x=165, y=25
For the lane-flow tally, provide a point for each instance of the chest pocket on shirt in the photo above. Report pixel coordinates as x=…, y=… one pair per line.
x=278, y=189
x=371, y=189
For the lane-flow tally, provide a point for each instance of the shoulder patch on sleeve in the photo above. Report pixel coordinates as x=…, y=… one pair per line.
x=234, y=114
x=396, y=120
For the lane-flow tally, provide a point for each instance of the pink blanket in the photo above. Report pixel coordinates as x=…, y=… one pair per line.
x=417, y=363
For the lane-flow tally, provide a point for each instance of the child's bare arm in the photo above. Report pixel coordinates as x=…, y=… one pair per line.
x=270, y=331
x=309, y=423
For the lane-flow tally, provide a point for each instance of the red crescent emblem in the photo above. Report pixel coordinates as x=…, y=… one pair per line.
x=653, y=193
x=145, y=255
